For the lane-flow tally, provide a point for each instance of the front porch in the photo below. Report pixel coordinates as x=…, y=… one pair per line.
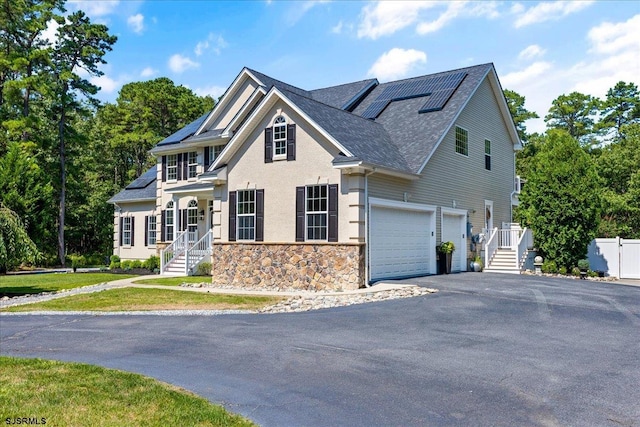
x=506, y=249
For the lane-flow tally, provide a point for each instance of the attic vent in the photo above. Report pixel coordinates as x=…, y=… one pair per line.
x=439, y=89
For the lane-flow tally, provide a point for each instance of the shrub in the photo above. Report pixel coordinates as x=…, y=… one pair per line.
x=562, y=270
x=583, y=264
x=114, y=258
x=446, y=247
x=549, y=267
x=575, y=271
x=126, y=265
x=77, y=261
x=152, y=263
x=136, y=264
x=114, y=265
x=203, y=269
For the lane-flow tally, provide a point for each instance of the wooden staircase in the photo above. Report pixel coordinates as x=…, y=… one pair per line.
x=176, y=267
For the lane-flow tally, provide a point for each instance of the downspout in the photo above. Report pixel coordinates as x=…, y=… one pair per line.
x=513, y=182
x=367, y=278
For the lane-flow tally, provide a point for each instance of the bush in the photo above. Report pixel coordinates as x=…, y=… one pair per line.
x=562, y=270
x=114, y=265
x=583, y=264
x=203, y=269
x=549, y=267
x=152, y=263
x=136, y=263
x=77, y=261
x=126, y=265
x=114, y=258
x=575, y=271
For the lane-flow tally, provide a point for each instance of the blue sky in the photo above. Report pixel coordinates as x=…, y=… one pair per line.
x=540, y=49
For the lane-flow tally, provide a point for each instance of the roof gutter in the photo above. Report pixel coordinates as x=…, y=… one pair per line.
x=363, y=167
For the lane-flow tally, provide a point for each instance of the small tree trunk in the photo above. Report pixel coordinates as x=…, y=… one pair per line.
x=63, y=179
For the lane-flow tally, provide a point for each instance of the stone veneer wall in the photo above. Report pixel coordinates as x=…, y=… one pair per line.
x=301, y=266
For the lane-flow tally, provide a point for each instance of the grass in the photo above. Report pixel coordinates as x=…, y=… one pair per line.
x=174, y=281
x=22, y=284
x=141, y=299
x=74, y=394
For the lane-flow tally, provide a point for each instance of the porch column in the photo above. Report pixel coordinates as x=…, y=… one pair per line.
x=176, y=218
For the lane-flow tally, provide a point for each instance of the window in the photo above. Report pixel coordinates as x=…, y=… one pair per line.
x=246, y=214
x=169, y=222
x=316, y=212
x=280, y=137
x=193, y=163
x=462, y=141
x=126, y=231
x=172, y=167
x=151, y=230
x=213, y=153
x=487, y=154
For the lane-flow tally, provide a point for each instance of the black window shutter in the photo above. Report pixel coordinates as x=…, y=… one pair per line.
x=146, y=230
x=179, y=167
x=120, y=232
x=300, y=220
x=333, y=213
x=259, y=215
x=179, y=228
x=487, y=162
x=184, y=219
x=206, y=158
x=291, y=142
x=232, y=216
x=164, y=168
x=163, y=223
x=185, y=166
x=268, y=145
x=133, y=233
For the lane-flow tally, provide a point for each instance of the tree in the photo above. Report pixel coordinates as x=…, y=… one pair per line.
x=561, y=201
x=15, y=245
x=621, y=107
x=574, y=113
x=519, y=114
x=80, y=45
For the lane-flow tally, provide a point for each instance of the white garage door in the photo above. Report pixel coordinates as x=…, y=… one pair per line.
x=453, y=230
x=401, y=242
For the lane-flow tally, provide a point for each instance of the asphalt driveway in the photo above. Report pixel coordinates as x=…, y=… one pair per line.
x=487, y=350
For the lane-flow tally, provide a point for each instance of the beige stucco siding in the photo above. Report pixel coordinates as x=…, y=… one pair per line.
x=279, y=179
x=233, y=105
x=449, y=176
x=138, y=211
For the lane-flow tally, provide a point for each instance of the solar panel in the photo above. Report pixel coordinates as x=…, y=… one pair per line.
x=439, y=89
x=143, y=180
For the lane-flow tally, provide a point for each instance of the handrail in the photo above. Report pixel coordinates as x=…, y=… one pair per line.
x=198, y=251
x=525, y=241
x=490, y=247
x=173, y=251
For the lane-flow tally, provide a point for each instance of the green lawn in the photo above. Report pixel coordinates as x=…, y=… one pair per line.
x=173, y=281
x=74, y=394
x=22, y=284
x=130, y=299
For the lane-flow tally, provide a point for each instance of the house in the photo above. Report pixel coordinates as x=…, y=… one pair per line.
x=334, y=187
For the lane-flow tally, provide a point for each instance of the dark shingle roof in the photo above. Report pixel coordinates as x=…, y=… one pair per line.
x=141, y=189
x=343, y=96
x=185, y=132
x=269, y=82
x=417, y=134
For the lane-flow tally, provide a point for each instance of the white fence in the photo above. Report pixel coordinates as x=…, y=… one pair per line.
x=616, y=257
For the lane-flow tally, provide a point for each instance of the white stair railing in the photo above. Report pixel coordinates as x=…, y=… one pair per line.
x=524, y=243
x=173, y=251
x=491, y=246
x=198, y=252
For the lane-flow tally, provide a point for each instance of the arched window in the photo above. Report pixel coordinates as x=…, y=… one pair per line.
x=280, y=136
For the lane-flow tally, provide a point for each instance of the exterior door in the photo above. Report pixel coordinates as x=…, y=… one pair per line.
x=453, y=229
x=192, y=222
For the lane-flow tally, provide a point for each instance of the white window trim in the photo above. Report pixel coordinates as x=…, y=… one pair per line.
x=307, y=213
x=172, y=167
x=169, y=211
x=487, y=154
x=126, y=233
x=152, y=230
x=245, y=215
x=190, y=165
x=283, y=124
x=455, y=141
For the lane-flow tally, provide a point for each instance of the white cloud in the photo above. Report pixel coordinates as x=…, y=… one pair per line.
x=397, y=63
x=107, y=84
x=531, y=52
x=213, y=41
x=148, y=72
x=338, y=28
x=387, y=17
x=547, y=11
x=179, y=63
x=610, y=38
x=93, y=8
x=533, y=72
x=49, y=34
x=458, y=9
x=299, y=9
x=136, y=22
x=214, y=91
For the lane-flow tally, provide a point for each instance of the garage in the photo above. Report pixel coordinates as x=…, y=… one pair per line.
x=401, y=239
x=453, y=227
